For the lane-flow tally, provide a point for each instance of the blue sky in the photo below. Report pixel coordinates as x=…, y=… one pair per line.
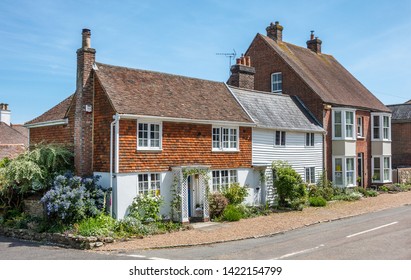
x=39, y=40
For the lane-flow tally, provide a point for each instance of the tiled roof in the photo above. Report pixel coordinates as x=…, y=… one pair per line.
x=58, y=112
x=11, y=136
x=12, y=142
x=401, y=112
x=326, y=76
x=148, y=93
x=276, y=111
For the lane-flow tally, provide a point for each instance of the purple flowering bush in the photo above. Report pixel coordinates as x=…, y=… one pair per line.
x=72, y=199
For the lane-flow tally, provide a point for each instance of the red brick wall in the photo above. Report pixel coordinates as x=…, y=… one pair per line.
x=102, y=117
x=292, y=83
x=183, y=144
x=58, y=134
x=401, y=144
x=364, y=146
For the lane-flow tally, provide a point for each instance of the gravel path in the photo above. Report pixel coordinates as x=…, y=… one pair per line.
x=263, y=225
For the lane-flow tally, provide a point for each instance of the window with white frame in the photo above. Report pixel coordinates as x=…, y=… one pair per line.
x=149, y=183
x=149, y=136
x=338, y=172
x=376, y=177
x=225, y=139
x=309, y=139
x=381, y=167
x=343, y=124
x=280, y=137
x=344, y=171
x=310, y=175
x=376, y=127
x=349, y=171
x=387, y=169
x=276, y=82
x=223, y=178
x=360, y=127
x=381, y=126
x=386, y=128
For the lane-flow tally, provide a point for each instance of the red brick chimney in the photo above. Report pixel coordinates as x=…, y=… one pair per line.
x=242, y=73
x=83, y=120
x=275, y=31
x=314, y=44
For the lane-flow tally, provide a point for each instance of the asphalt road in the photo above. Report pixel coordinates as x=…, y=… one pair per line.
x=383, y=235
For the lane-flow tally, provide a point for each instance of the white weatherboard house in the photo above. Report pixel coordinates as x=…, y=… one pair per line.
x=285, y=130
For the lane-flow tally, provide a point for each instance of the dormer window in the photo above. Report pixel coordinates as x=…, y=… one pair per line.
x=277, y=82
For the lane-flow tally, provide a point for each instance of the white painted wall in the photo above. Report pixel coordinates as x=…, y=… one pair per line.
x=294, y=152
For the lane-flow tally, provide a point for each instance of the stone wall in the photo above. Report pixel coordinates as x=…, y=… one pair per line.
x=402, y=175
x=64, y=240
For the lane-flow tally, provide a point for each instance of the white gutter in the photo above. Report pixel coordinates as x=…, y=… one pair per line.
x=186, y=120
x=47, y=123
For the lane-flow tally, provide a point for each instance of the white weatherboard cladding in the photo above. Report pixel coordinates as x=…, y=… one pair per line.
x=125, y=190
x=294, y=152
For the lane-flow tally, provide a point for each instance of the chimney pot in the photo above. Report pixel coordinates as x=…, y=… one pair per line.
x=314, y=43
x=86, y=38
x=312, y=35
x=238, y=61
x=248, y=61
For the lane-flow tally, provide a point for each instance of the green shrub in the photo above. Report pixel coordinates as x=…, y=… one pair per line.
x=146, y=208
x=217, y=203
x=101, y=225
x=371, y=193
x=323, y=188
x=231, y=213
x=290, y=188
x=235, y=193
x=349, y=196
x=405, y=187
x=317, y=201
x=31, y=172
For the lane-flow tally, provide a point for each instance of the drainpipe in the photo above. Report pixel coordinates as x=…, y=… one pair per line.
x=115, y=122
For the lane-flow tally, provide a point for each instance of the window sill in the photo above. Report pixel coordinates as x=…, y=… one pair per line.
x=149, y=150
x=360, y=138
x=224, y=151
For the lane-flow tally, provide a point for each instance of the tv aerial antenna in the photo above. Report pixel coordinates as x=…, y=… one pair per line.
x=230, y=56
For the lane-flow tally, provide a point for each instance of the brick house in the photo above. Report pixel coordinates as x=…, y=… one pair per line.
x=357, y=148
x=13, y=137
x=401, y=134
x=145, y=131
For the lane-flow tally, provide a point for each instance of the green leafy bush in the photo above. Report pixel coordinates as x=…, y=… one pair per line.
x=32, y=172
x=146, y=208
x=232, y=213
x=290, y=188
x=349, y=196
x=323, y=188
x=235, y=193
x=101, y=225
x=317, y=201
x=217, y=203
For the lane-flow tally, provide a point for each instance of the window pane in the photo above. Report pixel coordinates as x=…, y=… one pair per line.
x=233, y=138
x=349, y=124
x=282, y=138
x=350, y=171
x=226, y=138
x=312, y=139
x=277, y=138
x=376, y=128
x=338, y=171
x=224, y=178
x=233, y=176
x=377, y=169
x=216, y=138
x=216, y=180
x=276, y=82
x=337, y=124
x=359, y=126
